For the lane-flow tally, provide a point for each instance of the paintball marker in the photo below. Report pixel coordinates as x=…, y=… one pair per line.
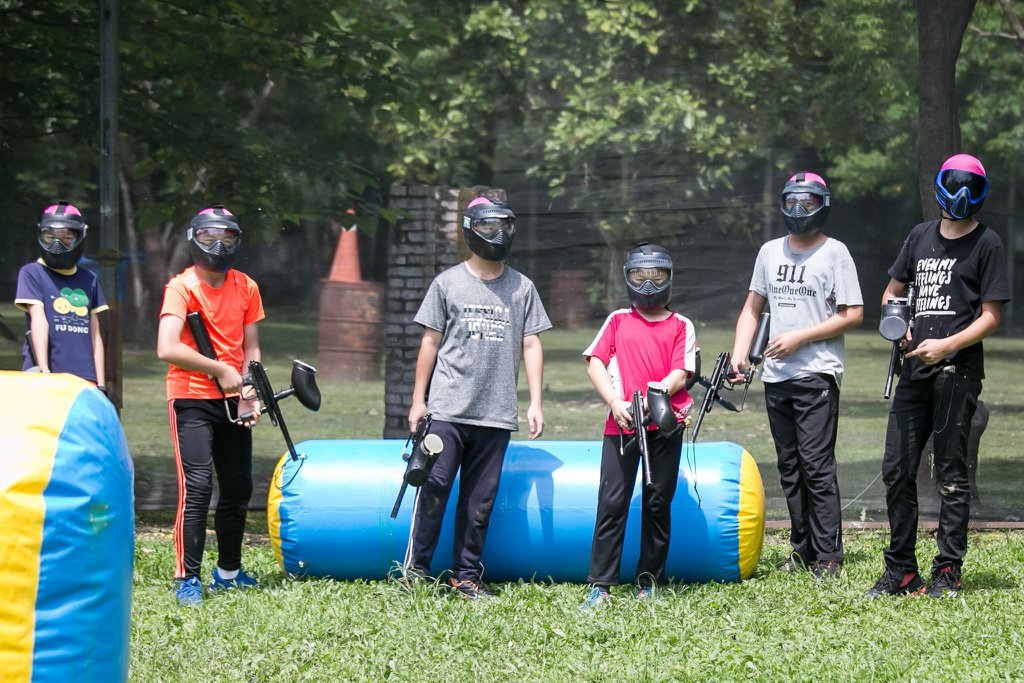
x=756, y=354
x=31, y=353
x=660, y=412
x=721, y=376
x=419, y=459
x=637, y=409
x=897, y=319
x=303, y=387
x=303, y=384
x=714, y=387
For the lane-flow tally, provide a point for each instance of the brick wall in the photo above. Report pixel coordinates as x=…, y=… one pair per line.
x=424, y=245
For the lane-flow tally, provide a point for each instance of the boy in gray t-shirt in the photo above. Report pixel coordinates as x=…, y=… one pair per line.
x=809, y=283
x=479, y=318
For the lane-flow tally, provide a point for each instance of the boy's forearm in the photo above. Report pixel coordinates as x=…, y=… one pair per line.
x=40, y=329
x=983, y=326
x=845, y=319
x=99, y=356
x=533, y=359
x=602, y=381
x=675, y=380
x=425, y=361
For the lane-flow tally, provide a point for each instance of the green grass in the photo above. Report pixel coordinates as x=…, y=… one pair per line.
x=773, y=627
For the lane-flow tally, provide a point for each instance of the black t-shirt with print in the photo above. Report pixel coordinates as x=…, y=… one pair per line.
x=953, y=277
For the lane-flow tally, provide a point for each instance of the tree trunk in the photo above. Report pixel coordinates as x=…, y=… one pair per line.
x=940, y=31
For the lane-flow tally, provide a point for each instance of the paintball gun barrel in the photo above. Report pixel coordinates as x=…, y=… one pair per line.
x=897, y=319
x=756, y=354
x=721, y=374
x=714, y=386
x=31, y=351
x=637, y=409
x=419, y=459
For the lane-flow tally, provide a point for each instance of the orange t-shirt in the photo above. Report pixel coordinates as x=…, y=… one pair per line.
x=227, y=311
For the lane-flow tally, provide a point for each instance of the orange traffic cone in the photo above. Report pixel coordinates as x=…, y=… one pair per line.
x=345, y=267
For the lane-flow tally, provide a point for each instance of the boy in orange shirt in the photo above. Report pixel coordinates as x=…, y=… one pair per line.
x=210, y=420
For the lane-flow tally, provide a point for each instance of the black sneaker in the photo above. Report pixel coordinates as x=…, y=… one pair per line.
x=469, y=590
x=895, y=583
x=411, y=577
x=945, y=583
x=794, y=563
x=826, y=570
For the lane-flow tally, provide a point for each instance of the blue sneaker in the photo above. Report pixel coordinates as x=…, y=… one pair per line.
x=645, y=593
x=188, y=591
x=244, y=581
x=597, y=600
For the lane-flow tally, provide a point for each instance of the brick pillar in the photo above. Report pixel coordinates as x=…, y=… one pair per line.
x=429, y=242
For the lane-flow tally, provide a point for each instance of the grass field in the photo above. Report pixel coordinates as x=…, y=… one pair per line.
x=773, y=627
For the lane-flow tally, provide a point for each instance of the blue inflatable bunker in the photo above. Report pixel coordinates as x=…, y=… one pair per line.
x=329, y=514
x=68, y=524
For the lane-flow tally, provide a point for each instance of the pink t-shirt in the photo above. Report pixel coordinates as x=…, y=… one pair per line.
x=638, y=351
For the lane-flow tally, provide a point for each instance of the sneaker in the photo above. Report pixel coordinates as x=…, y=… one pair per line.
x=244, y=581
x=945, y=583
x=826, y=570
x=598, y=599
x=470, y=590
x=188, y=591
x=794, y=563
x=646, y=593
x=412, y=577
x=894, y=583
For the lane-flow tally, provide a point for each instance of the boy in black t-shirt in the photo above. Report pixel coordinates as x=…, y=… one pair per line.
x=958, y=269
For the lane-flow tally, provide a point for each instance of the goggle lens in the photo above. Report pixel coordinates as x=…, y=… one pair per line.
x=809, y=201
x=952, y=180
x=659, y=276
x=488, y=227
x=209, y=236
x=68, y=236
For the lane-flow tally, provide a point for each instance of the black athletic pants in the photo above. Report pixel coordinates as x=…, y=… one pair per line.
x=941, y=407
x=479, y=452
x=618, y=477
x=206, y=440
x=804, y=418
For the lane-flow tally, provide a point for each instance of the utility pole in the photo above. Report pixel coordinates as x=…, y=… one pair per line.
x=109, y=256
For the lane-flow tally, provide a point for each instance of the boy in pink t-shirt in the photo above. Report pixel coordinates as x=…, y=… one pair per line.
x=645, y=343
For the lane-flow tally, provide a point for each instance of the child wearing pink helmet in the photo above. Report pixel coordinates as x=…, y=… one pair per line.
x=61, y=301
x=958, y=269
x=808, y=283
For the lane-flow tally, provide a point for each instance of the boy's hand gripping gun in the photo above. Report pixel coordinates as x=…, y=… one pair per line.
x=419, y=459
x=897, y=319
x=303, y=385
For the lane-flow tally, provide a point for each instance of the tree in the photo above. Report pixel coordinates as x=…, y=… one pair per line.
x=940, y=30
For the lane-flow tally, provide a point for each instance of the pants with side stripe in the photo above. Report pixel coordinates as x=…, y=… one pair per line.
x=205, y=440
x=479, y=453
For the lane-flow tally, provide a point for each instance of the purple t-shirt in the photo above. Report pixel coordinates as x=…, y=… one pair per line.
x=68, y=301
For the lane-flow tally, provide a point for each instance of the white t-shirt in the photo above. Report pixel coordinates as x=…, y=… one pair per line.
x=804, y=288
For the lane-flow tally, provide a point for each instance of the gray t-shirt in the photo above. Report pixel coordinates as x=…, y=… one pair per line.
x=483, y=322
x=804, y=289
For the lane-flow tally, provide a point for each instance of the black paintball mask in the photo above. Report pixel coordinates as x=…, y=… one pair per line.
x=61, y=236
x=213, y=239
x=805, y=203
x=488, y=226
x=648, y=274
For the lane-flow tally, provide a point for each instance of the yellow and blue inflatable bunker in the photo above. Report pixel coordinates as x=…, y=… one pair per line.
x=68, y=525
x=329, y=513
